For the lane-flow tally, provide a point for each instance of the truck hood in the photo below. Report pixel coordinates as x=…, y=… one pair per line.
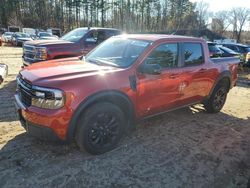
x=48, y=42
x=61, y=70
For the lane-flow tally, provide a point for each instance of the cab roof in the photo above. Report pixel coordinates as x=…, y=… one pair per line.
x=156, y=37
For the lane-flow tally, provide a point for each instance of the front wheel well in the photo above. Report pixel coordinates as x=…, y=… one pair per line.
x=117, y=98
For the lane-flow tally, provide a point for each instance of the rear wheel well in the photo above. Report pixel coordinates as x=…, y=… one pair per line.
x=225, y=81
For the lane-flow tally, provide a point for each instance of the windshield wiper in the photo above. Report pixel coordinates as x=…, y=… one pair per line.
x=102, y=62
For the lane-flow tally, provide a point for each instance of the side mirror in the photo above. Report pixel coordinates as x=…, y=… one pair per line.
x=153, y=69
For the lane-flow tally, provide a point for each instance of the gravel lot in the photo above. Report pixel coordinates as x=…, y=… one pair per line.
x=184, y=148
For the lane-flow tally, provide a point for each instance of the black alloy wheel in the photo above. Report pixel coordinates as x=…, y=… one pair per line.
x=100, y=128
x=103, y=130
x=219, y=98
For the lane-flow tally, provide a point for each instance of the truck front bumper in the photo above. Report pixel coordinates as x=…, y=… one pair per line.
x=42, y=124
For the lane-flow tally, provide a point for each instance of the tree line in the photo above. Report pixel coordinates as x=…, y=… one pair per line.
x=128, y=15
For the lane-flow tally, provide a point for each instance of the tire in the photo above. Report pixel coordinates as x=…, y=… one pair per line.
x=218, y=98
x=100, y=128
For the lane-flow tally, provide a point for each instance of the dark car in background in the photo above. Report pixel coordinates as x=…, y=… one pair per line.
x=46, y=36
x=244, y=50
x=6, y=37
x=19, y=38
x=214, y=50
x=77, y=42
x=227, y=52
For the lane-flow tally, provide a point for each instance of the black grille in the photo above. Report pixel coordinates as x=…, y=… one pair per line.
x=24, y=91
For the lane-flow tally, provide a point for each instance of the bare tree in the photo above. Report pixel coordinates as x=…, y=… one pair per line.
x=221, y=22
x=239, y=17
x=203, y=14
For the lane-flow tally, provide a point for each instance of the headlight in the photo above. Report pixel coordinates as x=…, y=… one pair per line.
x=47, y=98
x=41, y=53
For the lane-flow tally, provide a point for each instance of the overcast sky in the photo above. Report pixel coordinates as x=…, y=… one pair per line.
x=217, y=5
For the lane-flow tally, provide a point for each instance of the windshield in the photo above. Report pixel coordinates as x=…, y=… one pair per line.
x=75, y=35
x=7, y=34
x=118, y=52
x=227, y=50
x=213, y=48
x=22, y=35
x=45, y=35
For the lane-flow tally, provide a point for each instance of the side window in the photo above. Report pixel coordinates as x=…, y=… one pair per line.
x=193, y=54
x=101, y=36
x=165, y=55
x=91, y=37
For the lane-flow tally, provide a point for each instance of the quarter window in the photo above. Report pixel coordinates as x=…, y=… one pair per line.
x=193, y=54
x=165, y=55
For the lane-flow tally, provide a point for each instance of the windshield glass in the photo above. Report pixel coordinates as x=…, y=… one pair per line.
x=45, y=35
x=22, y=35
x=118, y=52
x=75, y=35
x=213, y=48
x=7, y=34
x=227, y=50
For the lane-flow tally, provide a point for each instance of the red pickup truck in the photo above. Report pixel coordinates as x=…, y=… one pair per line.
x=94, y=100
x=75, y=43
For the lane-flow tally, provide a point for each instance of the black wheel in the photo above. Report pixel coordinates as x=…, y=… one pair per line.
x=217, y=100
x=100, y=128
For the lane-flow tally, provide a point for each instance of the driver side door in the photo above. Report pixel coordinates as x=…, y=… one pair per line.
x=159, y=92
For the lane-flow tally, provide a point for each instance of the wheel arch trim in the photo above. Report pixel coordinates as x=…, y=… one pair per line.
x=112, y=96
x=225, y=74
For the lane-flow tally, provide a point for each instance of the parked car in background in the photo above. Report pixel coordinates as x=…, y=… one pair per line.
x=96, y=99
x=30, y=31
x=244, y=50
x=19, y=38
x=227, y=52
x=14, y=29
x=75, y=43
x=55, y=31
x=6, y=37
x=46, y=36
x=214, y=51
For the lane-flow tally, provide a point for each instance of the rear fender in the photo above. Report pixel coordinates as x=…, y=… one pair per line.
x=223, y=75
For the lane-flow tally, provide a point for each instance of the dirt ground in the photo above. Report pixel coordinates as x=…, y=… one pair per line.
x=183, y=148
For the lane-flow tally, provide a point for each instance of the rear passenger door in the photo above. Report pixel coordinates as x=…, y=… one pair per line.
x=194, y=73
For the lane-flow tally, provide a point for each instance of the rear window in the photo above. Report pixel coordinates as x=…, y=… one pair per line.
x=193, y=54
